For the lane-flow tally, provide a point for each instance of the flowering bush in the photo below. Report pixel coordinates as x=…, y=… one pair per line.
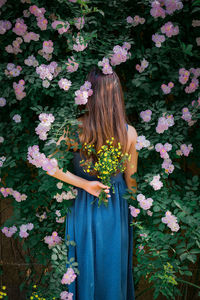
x=46, y=54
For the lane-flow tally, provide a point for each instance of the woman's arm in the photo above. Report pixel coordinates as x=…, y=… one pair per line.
x=131, y=167
x=92, y=187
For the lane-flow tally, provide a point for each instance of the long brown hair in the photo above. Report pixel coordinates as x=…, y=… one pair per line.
x=105, y=115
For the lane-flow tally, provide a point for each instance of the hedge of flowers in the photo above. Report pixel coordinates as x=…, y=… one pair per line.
x=48, y=47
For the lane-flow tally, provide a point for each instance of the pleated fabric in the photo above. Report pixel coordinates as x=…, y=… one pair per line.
x=104, y=242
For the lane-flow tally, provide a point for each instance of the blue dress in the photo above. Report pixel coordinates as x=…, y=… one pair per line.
x=104, y=242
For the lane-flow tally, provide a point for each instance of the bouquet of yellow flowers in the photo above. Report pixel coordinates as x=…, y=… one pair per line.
x=109, y=161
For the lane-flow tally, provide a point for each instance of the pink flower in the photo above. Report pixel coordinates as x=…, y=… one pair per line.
x=134, y=211
x=107, y=69
x=72, y=65
x=146, y=115
x=64, y=84
x=68, y=277
x=156, y=183
x=83, y=94
x=79, y=22
x=171, y=221
x=66, y=295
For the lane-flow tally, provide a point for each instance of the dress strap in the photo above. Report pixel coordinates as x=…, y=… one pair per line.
x=126, y=126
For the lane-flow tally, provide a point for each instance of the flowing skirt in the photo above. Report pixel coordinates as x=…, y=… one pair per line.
x=104, y=245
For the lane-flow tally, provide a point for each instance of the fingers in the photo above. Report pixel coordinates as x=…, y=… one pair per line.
x=103, y=186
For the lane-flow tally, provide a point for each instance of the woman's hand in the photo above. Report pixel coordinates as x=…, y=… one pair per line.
x=95, y=187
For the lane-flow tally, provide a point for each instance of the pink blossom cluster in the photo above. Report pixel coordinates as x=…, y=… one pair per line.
x=183, y=75
x=42, y=216
x=15, y=47
x=31, y=36
x=63, y=29
x=66, y=295
x=171, y=221
x=21, y=30
x=184, y=150
x=135, y=21
x=146, y=115
x=72, y=65
x=186, y=115
x=17, y=118
x=48, y=71
x=167, y=165
x=158, y=9
x=66, y=196
x=79, y=44
x=2, y=102
x=143, y=66
x=9, y=231
x=193, y=86
x=156, y=183
x=167, y=88
x=83, y=93
x=9, y=191
x=64, y=84
x=134, y=211
x=4, y=26
x=158, y=39
x=23, y=230
x=47, y=46
x=52, y=239
x=195, y=72
x=142, y=142
x=31, y=61
x=169, y=29
x=44, y=126
x=195, y=23
x=59, y=219
x=79, y=22
x=120, y=54
x=2, y=159
x=164, y=123
x=47, y=50
x=19, y=89
x=144, y=202
x=20, y=27
x=39, y=14
x=12, y=70
x=68, y=277
x=163, y=149
x=41, y=161
x=106, y=68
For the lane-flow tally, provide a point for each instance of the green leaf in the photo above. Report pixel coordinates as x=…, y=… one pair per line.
x=54, y=256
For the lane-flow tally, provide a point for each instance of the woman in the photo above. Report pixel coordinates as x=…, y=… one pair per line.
x=103, y=235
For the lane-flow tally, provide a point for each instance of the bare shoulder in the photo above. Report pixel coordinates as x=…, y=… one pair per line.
x=132, y=134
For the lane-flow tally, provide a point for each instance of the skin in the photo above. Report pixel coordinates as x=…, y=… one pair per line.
x=94, y=187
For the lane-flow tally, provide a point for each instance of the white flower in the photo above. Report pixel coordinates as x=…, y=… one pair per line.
x=59, y=185
x=2, y=101
x=17, y=118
